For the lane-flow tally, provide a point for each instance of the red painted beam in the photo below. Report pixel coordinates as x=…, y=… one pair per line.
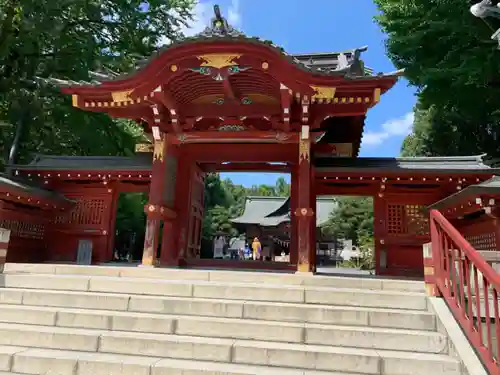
x=241, y=152
x=245, y=167
x=231, y=110
x=236, y=137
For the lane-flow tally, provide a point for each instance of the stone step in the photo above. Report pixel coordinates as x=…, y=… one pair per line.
x=49, y=361
x=216, y=290
x=317, y=334
x=267, y=311
x=288, y=356
x=218, y=276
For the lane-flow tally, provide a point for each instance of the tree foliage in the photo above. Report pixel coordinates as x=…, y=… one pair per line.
x=449, y=56
x=352, y=219
x=66, y=39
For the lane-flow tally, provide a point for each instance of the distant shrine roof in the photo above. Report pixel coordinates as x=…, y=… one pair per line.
x=272, y=211
x=347, y=64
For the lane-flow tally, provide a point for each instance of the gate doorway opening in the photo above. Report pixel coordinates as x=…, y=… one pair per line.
x=244, y=205
x=346, y=241
x=129, y=227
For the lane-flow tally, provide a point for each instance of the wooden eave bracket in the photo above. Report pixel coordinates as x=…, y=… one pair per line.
x=162, y=97
x=305, y=106
x=286, y=103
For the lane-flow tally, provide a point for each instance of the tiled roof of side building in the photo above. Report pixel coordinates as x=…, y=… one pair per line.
x=24, y=188
x=142, y=161
x=443, y=164
x=488, y=187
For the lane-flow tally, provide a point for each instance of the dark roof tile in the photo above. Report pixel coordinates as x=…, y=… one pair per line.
x=439, y=164
x=26, y=188
x=488, y=187
x=142, y=161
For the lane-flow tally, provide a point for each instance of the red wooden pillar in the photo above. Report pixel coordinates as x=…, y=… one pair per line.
x=379, y=231
x=304, y=212
x=154, y=209
x=312, y=223
x=183, y=203
x=4, y=245
x=112, y=222
x=293, y=219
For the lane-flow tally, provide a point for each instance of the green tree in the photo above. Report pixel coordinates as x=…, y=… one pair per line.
x=282, y=188
x=352, y=219
x=449, y=56
x=67, y=40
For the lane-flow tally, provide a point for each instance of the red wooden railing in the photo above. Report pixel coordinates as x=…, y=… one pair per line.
x=470, y=287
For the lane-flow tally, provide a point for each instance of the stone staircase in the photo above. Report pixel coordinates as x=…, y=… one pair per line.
x=74, y=320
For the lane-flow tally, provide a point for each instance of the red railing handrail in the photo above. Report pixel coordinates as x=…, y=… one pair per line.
x=488, y=272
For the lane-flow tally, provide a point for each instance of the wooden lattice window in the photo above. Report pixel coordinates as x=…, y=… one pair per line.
x=484, y=241
x=395, y=215
x=407, y=219
x=85, y=212
x=23, y=229
x=416, y=220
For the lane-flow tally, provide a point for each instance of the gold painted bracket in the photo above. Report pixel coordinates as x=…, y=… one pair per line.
x=144, y=147
x=219, y=61
x=121, y=96
x=323, y=92
x=158, y=150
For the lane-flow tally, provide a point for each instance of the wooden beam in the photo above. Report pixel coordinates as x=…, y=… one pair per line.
x=163, y=96
x=229, y=91
x=245, y=167
x=253, y=153
x=235, y=137
x=305, y=103
x=286, y=102
x=230, y=110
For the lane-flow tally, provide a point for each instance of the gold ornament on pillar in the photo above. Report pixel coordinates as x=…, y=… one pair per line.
x=304, y=148
x=304, y=212
x=158, y=150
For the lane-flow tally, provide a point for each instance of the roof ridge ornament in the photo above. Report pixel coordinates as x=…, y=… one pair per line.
x=485, y=9
x=219, y=27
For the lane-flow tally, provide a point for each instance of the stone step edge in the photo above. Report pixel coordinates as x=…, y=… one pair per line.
x=204, y=299
x=154, y=362
x=207, y=319
x=222, y=284
x=124, y=271
x=380, y=354
x=310, y=348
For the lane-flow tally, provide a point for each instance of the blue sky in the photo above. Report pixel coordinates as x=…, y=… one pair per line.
x=323, y=26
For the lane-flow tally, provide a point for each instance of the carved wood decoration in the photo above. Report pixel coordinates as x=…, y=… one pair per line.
x=158, y=150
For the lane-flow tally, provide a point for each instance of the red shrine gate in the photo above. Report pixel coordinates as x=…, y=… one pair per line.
x=223, y=97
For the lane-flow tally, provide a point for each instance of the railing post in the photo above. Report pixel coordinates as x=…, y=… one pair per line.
x=429, y=271
x=4, y=246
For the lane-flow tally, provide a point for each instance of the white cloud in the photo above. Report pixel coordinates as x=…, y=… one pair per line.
x=203, y=13
x=233, y=14
x=393, y=128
